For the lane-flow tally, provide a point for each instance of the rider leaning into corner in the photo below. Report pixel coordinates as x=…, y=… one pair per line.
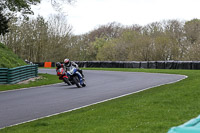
x=68, y=63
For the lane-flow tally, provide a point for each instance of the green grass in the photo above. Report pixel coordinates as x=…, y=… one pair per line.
x=44, y=80
x=8, y=59
x=151, y=111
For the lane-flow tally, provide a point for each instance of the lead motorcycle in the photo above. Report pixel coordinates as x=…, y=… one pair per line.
x=75, y=77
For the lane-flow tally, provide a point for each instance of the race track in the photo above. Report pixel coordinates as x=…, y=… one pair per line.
x=24, y=105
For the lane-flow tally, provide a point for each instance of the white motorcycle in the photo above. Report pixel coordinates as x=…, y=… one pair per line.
x=75, y=77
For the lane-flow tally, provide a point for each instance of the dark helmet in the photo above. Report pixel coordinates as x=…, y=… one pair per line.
x=67, y=62
x=58, y=64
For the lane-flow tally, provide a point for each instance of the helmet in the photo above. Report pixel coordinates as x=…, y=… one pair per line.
x=58, y=64
x=67, y=62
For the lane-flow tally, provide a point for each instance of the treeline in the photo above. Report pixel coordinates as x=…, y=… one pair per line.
x=40, y=40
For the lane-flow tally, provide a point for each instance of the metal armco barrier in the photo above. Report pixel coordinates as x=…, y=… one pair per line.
x=136, y=64
x=17, y=74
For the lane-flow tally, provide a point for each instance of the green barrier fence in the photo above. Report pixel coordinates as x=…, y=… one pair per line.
x=192, y=126
x=17, y=74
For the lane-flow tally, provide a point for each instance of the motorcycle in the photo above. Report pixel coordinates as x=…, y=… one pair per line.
x=75, y=77
x=62, y=75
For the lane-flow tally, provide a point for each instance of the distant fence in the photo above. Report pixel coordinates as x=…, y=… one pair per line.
x=136, y=64
x=17, y=74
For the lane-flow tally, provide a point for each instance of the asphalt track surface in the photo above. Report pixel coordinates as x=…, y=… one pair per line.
x=28, y=104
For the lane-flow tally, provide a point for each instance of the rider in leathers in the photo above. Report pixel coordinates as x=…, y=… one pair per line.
x=68, y=63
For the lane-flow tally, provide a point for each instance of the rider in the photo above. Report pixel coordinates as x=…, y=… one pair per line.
x=58, y=65
x=68, y=63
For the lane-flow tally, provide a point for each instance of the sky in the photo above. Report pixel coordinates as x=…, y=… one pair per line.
x=86, y=15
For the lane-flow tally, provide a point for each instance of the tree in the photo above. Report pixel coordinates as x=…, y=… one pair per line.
x=24, y=6
x=107, y=52
x=9, y=7
x=161, y=49
x=192, y=30
x=175, y=34
x=108, y=31
x=126, y=45
x=38, y=40
x=3, y=23
x=192, y=33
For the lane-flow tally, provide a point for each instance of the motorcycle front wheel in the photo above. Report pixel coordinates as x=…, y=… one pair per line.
x=76, y=81
x=84, y=84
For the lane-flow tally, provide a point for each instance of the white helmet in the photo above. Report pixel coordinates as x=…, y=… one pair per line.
x=67, y=62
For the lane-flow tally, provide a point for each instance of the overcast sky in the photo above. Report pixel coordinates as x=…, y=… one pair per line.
x=85, y=15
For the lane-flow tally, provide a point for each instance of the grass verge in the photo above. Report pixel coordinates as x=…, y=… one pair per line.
x=150, y=111
x=45, y=80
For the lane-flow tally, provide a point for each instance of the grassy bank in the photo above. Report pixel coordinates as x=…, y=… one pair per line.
x=150, y=111
x=44, y=80
x=8, y=59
